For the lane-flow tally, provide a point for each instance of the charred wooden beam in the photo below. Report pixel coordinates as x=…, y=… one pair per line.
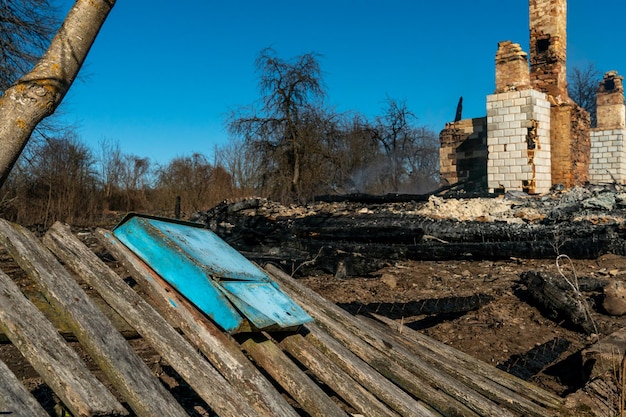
x=364, y=198
x=530, y=363
x=361, y=238
x=553, y=295
x=445, y=305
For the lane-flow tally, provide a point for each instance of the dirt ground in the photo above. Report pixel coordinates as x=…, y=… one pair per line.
x=508, y=331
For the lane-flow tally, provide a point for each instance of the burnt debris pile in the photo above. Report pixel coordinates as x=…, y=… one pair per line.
x=358, y=236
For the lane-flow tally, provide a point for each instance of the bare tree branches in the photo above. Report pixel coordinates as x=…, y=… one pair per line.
x=582, y=87
x=300, y=149
x=278, y=131
x=26, y=28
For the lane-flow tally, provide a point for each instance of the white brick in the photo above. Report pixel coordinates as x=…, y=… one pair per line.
x=503, y=110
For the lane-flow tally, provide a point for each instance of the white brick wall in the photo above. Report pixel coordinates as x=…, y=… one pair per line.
x=509, y=116
x=608, y=156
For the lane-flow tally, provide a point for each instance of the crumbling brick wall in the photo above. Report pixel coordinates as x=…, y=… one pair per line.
x=463, y=152
x=511, y=68
x=518, y=132
x=536, y=135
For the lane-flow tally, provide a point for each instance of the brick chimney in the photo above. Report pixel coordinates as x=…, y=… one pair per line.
x=548, y=47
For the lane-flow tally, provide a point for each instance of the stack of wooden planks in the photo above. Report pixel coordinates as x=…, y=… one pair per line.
x=337, y=366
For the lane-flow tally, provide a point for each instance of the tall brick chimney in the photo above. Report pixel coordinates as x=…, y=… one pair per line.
x=569, y=123
x=548, y=47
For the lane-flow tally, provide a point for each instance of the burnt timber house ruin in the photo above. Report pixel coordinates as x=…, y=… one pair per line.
x=534, y=135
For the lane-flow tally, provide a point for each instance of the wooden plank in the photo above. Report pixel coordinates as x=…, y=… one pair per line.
x=338, y=321
x=57, y=363
x=286, y=373
x=15, y=400
x=367, y=376
x=222, y=351
x=123, y=367
x=393, y=370
x=417, y=342
x=482, y=385
x=332, y=375
x=185, y=359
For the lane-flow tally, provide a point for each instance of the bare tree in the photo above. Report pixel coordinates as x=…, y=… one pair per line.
x=582, y=87
x=289, y=90
x=57, y=181
x=38, y=93
x=26, y=28
x=408, y=152
x=135, y=177
x=199, y=184
x=243, y=164
x=110, y=163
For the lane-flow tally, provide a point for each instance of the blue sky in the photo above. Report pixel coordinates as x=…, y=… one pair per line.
x=162, y=75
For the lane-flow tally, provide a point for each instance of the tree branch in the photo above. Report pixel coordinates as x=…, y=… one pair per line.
x=36, y=95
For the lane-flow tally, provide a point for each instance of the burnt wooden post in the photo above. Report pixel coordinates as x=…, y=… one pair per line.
x=177, y=208
x=558, y=299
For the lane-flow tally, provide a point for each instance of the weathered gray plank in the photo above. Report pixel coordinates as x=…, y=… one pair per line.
x=301, y=388
x=332, y=375
x=394, y=371
x=473, y=389
x=345, y=328
x=47, y=352
x=223, y=352
x=185, y=359
x=123, y=367
x=430, y=367
x=15, y=400
x=455, y=360
x=367, y=376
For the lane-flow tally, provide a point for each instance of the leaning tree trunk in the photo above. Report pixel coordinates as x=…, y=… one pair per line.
x=37, y=94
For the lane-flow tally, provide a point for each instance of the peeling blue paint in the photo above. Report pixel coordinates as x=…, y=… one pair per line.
x=216, y=278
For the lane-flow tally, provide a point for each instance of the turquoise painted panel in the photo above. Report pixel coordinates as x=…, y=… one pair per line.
x=161, y=254
x=211, y=274
x=209, y=251
x=264, y=302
